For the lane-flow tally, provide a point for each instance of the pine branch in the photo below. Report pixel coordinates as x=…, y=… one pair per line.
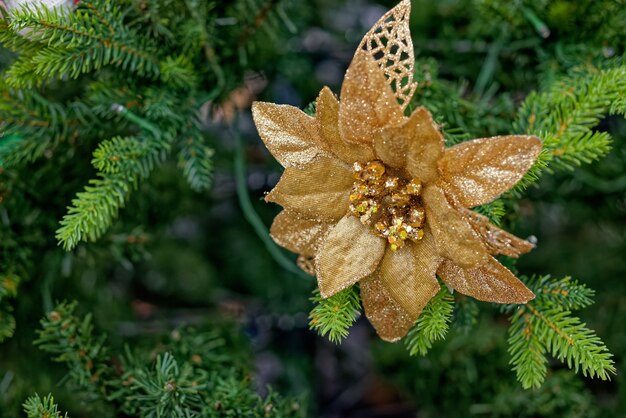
x=564, y=293
x=94, y=209
x=35, y=407
x=432, y=325
x=334, y=316
x=15, y=41
x=545, y=325
x=166, y=390
x=189, y=373
x=72, y=342
x=195, y=159
x=179, y=73
x=129, y=155
x=33, y=125
x=123, y=163
x=576, y=105
x=91, y=37
x=527, y=352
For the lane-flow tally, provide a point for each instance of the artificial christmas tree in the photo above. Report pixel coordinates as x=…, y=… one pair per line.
x=137, y=116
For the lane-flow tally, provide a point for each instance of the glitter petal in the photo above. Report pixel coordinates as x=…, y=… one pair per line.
x=288, y=133
x=415, y=143
x=367, y=102
x=498, y=241
x=302, y=236
x=389, y=42
x=409, y=275
x=327, y=116
x=480, y=170
x=454, y=237
x=350, y=252
x=319, y=191
x=426, y=146
x=391, y=144
x=490, y=283
x=390, y=321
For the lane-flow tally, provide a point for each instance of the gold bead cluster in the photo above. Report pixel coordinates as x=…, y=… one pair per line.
x=389, y=204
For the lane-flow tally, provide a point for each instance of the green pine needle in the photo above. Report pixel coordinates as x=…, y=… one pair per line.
x=188, y=373
x=165, y=389
x=575, y=106
x=72, y=341
x=91, y=37
x=432, y=325
x=123, y=163
x=35, y=407
x=546, y=326
x=564, y=293
x=195, y=159
x=333, y=316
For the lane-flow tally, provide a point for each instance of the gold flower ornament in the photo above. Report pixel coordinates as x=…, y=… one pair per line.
x=373, y=196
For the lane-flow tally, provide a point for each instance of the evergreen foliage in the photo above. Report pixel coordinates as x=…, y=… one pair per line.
x=195, y=159
x=36, y=407
x=72, y=342
x=122, y=164
x=576, y=105
x=545, y=325
x=334, y=316
x=34, y=125
x=73, y=43
x=114, y=104
x=432, y=325
x=57, y=43
x=200, y=376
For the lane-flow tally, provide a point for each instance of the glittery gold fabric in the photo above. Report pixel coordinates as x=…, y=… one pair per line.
x=389, y=42
x=368, y=126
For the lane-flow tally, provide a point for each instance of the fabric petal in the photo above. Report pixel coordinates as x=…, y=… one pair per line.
x=454, y=238
x=392, y=142
x=387, y=317
x=480, y=170
x=302, y=236
x=319, y=191
x=367, y=101
x=496, y=240
x=425, y=147
x=491, y=282
x=327, y=115
x=389, y=43
x=289, y=134
x=408, y=274
x=350, y=252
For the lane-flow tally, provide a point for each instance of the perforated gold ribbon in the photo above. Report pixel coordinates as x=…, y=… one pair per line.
x=369, y=124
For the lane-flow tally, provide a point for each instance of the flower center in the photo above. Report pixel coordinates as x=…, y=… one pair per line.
x=389, y=204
